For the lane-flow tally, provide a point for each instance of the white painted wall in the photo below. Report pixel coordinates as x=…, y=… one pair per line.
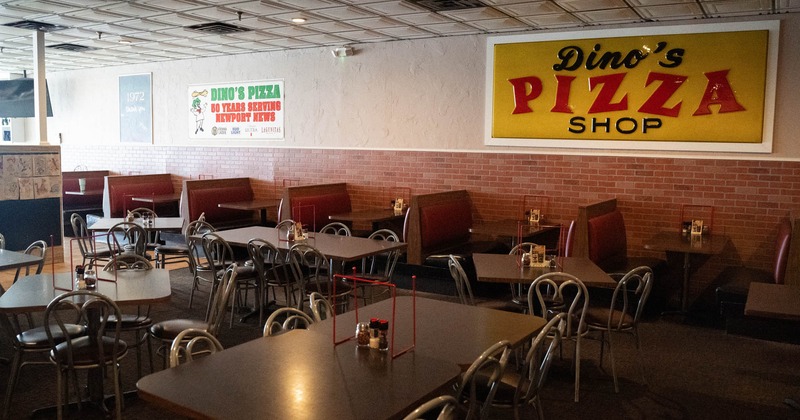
x=423, y=95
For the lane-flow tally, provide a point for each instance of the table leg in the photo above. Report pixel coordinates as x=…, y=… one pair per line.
x=263, y=217
x=685, y=288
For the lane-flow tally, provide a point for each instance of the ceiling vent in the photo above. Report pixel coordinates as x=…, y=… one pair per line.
x=444, y=5
x=71, y=47
x=218, y=28
x=35, y=26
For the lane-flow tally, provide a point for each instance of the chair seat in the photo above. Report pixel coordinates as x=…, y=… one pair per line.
x=36, y=338
x=243, y=272
x=169, y=329
x=84, y=352
x=172, y=249
x=130, y=321
x=598, y=317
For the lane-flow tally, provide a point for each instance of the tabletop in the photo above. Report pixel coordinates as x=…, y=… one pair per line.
x=33, y=293
x=14, y=259
x=770, y=300
x=84, y=192
x=299, y=374
x=369, y=215
x=158, y=199
x=709, y=244
x=504, y=268
x=160, y=224
x=344, y=248
x=511, y=228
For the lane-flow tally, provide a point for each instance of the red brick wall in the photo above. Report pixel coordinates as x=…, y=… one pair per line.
x=749, y=195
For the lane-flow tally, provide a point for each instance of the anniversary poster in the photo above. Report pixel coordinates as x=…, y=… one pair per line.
x=241, y=110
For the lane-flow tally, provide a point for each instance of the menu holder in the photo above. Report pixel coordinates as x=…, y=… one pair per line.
x=392, y=325
x=533, y=216
x=398, y=206
x=697, y=227
x=303, y=213
x=538, y=256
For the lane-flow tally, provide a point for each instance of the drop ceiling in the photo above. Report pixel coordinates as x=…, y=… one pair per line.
x=100, y=33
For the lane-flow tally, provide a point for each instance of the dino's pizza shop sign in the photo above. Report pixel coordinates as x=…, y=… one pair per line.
x=699, y=87
x=243, y=110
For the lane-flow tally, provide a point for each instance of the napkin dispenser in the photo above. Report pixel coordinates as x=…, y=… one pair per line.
x=398, y=206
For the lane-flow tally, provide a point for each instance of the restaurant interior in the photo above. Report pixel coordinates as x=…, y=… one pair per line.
x=371, y=180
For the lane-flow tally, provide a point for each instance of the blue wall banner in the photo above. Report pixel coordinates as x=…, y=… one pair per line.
x=135, y=109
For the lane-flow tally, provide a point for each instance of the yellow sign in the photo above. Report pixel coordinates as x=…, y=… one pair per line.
x=675, y=87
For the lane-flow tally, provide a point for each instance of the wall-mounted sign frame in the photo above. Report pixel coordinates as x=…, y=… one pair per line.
x=238, y=110
x=708, y=87
x=136, y=108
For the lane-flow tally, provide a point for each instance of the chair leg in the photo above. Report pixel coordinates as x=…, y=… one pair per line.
x=613, y=364
x=59, y=394
x=149, y=351
x=577, y=367
x=16, y=363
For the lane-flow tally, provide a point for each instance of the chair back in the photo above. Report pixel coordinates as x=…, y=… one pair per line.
x=336, y=228
x=127, y=237
x=445, y=404
x=195, y=247
x=558, y=292
x=203, y=340
x=629, y=298
x=309, y=265
x=321, y=308
x=102, y=346
x=284, y=226
x=264, y=256
x=2, y=241
x=38, y=249
x=285, y=319
x=128, y=262
x=485, y=374
x=221, y=298
x=538, y=360
x=81, y=232
x=463, y=287
x=568, y=245
x=781, y=258
x=218, y=251
x=144, y=213
x=382, y=264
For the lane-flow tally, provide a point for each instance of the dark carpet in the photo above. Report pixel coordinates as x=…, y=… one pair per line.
x=692, y=371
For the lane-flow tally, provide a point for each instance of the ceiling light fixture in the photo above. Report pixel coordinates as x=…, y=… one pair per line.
x=343, y=52
x=299, y=20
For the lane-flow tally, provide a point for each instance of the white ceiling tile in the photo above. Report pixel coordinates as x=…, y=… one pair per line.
x=331, y=27
x=258, y=8
x=589, y=5
x=608, y=16
x=407, y=32
x=450, y=29
x=214, y=14
x=344, y=13
x=96, y=15
x=741, y=7
x=391, y=8
x=670, y=11
x=253, y=36
x=480, y=13
x=42, y=6
x=422, y=19
x=171, y=5
x=177, y=19
x=309, y=4
x=375, y=23
x=658, y=2
x=291, y=31
x=551, y=21
x=365, y=36
x=289, y=43
x=134, y=10
x=531, y=9
x=494, y=25
x=323, y=39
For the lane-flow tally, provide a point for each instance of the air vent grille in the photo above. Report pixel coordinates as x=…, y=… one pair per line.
x=219, y=28
x=444, y=5
x=70, y=47
x=35, y=26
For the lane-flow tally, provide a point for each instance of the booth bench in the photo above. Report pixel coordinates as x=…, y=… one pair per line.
x=204, y=196
x=120, y=190
x=88, y=201
x=312, y=204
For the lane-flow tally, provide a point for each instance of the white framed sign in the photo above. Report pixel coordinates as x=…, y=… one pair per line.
x=240, y=110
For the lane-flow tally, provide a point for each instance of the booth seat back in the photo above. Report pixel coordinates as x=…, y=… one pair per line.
x=445, y=224
x=120, y=195
x=206, y=201
x=782, y=242
x=608, y=245
x=313, y=210
x=79, y=201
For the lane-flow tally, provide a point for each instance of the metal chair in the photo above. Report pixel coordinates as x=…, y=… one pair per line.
x=138, y=322
x=273, y=272
x=28, y=342
x=166, y=331
x=463, y=287
x=623, y=315
x=185, y=347
x=198, y=264
x=516, y=389
x=219, y=255
x=482, y=377
x=90, y=249
x=336, y=228
x=445, y=404
x=519, y=292
x=378, y=267
x=558, y=292
x=101, y=348
x=285, y=319
x=321, y=309
x=39, y=249
x=127, y=237
x=312, y=274
x=146, y=214
x=2, y=241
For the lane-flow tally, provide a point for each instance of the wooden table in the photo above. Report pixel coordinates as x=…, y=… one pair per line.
x=13, y=259
x=336, y=247
x=377, y=218
x=504, y=268
x=513, y=229
x=709, y=244
x=84, y=192
x=261, y=205
x=153, y=199
x=33, y=293
x=770, y=300
x=301, y=374
x=170, y=224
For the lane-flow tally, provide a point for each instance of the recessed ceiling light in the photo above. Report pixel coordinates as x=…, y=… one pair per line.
x=299, y=20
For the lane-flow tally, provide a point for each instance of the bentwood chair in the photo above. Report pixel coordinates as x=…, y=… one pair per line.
x=144, y=213
x=2, y=241
x=285, y=319
x=479, y=383
x=463, y=288
x=443, y=407
x=39, y=249
x=101, y=348
x=219, y=255
x=379, y=267
x=31, y=342
x=559, y=292
x=273, y=272
x=516, y=389
x=321, y=308
x=138, y=322
x=199, y=266
x=91, y=250
x=336, y=228
x=127, y=237
x=622, y=316
x=167, y=330
x=185, y=347
x=311, y=274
